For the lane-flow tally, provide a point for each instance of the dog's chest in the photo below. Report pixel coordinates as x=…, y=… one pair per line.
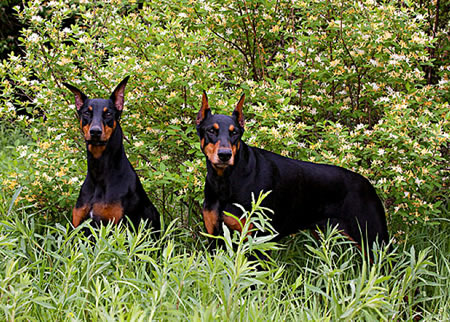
x=98, y=212
x=99, y=203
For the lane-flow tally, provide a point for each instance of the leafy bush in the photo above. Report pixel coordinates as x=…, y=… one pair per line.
x=338, y=82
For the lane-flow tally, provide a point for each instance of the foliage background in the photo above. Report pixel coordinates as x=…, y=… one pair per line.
x=359, y=84
x=338, y=82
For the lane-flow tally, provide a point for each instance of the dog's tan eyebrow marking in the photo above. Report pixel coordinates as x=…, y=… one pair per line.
x=105, y=109
x=216, y=126
x=231, y=128
x=90, y=108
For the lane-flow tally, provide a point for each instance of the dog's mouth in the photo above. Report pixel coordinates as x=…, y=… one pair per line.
x=221, y=165
x=96, y=142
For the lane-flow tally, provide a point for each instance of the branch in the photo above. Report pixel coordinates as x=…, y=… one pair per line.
x=221, y=37
x=48, y=65
x=252, y=51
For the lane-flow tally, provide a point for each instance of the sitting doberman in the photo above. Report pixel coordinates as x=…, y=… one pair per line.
x=111, y=189
x=303, y=195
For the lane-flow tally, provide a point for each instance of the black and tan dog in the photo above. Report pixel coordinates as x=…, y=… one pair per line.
x=112, y=189
x=304, y=195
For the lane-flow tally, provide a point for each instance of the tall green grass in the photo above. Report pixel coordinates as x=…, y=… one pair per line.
x=53, y=272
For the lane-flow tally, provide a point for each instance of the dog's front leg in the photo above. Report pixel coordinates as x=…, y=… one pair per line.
x=213, y=221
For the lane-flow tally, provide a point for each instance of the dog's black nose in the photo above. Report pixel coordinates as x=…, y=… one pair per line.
x=95, y=131
x=224, y=154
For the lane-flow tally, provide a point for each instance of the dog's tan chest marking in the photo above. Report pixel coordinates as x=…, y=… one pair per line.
x=103, y=211
x=108, y=212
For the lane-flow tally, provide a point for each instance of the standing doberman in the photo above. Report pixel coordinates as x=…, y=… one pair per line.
x=111, y=189
x=304, y=195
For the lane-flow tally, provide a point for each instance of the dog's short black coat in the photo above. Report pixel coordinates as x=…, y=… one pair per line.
x=303, y=195
x=111, y=189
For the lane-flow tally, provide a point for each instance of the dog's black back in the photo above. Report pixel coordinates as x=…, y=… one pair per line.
x=112, y=189
x=303, y=194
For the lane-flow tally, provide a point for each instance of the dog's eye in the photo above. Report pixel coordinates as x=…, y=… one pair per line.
x=211, y=131
x=87, y=114
x=108, y=114
x=234, y=132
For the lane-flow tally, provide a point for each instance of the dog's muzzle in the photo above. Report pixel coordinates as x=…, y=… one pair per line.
x=224, y=155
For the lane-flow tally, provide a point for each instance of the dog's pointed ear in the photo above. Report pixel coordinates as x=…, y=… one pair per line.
x=118, y=96
x=80, y=98
x=205, y=111
x=237, y=113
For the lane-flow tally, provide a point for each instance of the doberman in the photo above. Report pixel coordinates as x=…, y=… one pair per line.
x=304, y=195
x=112, y=188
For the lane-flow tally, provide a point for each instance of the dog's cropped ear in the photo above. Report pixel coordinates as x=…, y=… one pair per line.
x=205, y=111
x=118, y=96
x=80, y=98
x=237, y=113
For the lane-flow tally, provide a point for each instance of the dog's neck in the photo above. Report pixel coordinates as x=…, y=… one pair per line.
x=110, y=159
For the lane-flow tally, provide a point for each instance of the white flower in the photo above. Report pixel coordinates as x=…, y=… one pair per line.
x=34, y=37
x=36, y=18
x=397, y=168
x=374, y=86
x=419, y=38
x=374, y=62
x=10, y=107
x=73, y=180
x=382, y=181
x=443, y=81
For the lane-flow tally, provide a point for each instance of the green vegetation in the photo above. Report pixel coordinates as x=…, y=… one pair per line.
x=53, y=272
x=359, y=84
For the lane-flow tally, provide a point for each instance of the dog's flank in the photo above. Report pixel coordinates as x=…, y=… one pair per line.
x=304, y=195
x=111, y=190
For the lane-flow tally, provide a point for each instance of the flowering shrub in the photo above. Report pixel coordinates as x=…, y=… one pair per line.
x=337, y=82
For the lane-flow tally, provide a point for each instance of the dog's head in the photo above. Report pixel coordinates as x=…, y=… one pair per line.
x=220, y=135
x=98, y=117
